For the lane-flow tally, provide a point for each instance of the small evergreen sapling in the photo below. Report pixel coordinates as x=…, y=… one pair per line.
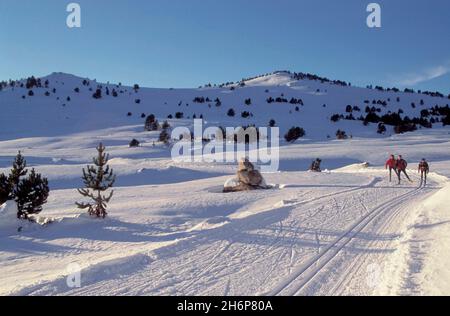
x=97, y=178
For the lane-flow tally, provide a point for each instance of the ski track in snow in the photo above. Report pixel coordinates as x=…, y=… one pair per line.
x=302, y=247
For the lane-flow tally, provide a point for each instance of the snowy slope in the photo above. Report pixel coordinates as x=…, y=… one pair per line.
x=171, y=230
x=53, y=115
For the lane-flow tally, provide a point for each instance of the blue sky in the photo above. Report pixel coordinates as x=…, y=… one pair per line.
x=186, y=43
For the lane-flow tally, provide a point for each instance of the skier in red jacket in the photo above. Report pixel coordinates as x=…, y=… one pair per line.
x=391, y=164
x=424, y=169
x=401, y=165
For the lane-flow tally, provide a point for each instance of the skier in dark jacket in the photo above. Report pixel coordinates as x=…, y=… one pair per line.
x=391, y=164
x=401, y=165
x=424, y=169
x=315, y=166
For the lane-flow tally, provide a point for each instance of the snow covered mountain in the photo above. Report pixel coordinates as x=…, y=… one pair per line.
x=64, y=103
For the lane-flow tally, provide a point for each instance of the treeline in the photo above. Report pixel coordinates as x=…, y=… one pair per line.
x=402, y=124
x=282, y=99
x=408, y=90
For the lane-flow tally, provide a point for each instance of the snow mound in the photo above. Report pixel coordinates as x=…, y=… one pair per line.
x=358, y=167
x=9, y=223
x=231, y=183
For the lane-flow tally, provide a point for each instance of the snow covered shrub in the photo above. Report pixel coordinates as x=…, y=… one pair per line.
x=425, y=123
x=350, y=117
x=164, y=136
x=294, y=133
x=231, y=113
x=134, y=143
x=151, y=123
x=335, y=118
x=372, y=117
x=165, y=125
x=97, y=94
x=199, y=100
x=30, y=194
x=381, y=128
x=341, y=134
x=31, y=82
x=246, y=114
x=405, y=127
x=391, y=119
x=179, y=115
x=97, y=178
x=424, y=113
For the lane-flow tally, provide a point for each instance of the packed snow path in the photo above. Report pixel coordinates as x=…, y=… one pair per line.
x=325, y=234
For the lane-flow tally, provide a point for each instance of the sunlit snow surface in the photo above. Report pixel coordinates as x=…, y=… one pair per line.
x=172, y=231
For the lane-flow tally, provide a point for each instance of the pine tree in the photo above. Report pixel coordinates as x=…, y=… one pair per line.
x=151, y=123
x=30, y=194
x=97, y=179
x=165, y=125
x=19, y=170
x=164, y=136
x=5, y=189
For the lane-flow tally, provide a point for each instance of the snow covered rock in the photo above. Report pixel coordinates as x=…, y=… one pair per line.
x=248, y=178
